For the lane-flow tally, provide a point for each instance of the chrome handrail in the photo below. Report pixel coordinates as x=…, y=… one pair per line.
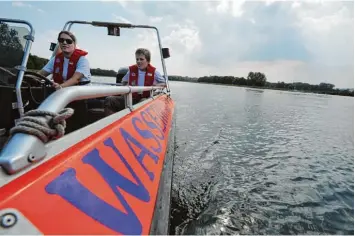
x=14, y=159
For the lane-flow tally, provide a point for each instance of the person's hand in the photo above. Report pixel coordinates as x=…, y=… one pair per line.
x=57, y=86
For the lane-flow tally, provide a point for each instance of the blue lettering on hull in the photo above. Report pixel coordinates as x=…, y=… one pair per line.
x=67, y=186
x=70, y=189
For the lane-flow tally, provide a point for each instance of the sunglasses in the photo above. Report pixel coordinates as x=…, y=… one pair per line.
x=68, y=41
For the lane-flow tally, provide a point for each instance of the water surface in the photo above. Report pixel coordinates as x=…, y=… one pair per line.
x=262, y=162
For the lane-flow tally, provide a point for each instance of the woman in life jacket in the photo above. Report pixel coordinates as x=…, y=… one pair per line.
x=70, y=66
x=140, y=74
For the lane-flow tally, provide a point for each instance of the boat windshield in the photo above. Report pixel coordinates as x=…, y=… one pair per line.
x=12, y=45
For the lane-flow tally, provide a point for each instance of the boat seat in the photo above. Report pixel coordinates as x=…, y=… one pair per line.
x=95, y=114
x=95, y=109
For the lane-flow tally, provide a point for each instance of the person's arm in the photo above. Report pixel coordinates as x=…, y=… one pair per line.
x=48, y=68
x=159, y=80
x=82, y=71
x=43, y=72
x=124, y=80
x=75, y=79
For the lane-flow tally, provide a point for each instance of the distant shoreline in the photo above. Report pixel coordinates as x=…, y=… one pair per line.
x=262, y=88
x=172, y=78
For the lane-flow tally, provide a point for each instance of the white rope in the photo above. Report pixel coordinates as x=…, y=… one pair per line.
x=31, y=123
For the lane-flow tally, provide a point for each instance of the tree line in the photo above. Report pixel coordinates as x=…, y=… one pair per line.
x=12, y=51
x=258, y=80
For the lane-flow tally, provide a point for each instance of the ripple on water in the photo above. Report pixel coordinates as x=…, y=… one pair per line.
x=263, y=163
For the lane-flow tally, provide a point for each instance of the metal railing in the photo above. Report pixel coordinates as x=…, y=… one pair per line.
x=22, y=68
x=69, y=24
x=13, y=159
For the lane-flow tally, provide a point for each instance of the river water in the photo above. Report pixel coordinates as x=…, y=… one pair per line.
x=254, y=161
x=262, y=161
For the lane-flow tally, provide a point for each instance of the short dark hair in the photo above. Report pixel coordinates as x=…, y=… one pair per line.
x=145, y=52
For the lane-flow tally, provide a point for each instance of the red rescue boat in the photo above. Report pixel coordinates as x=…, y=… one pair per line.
x=108, y=175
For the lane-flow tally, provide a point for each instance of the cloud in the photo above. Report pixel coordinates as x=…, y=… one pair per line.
x=306, y=41
x=234, y=8
x=328, y=31
x=155, y=19
x=22, y=4
x=120, y=19
x=123, y=3
x=289, y=41
x=184, y=38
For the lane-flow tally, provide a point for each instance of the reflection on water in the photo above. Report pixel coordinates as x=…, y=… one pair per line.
x=272, y=162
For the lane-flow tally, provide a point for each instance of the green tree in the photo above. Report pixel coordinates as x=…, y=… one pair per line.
x=256, y=79
x=326, y=86
x=36, y=63
x=11, y=49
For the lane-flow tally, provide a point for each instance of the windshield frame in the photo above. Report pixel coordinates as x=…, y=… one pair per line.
x=22, y=68
x=69, y=24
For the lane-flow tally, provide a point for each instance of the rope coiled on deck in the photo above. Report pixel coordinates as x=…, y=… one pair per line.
x=31, y=123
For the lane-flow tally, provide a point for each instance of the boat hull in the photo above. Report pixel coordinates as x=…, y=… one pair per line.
x=115, y=181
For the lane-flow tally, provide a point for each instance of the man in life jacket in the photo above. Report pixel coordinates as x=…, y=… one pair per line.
x=140, y=74
x=69, y=66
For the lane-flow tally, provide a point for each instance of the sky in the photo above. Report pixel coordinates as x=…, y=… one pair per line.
x=290, y=41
